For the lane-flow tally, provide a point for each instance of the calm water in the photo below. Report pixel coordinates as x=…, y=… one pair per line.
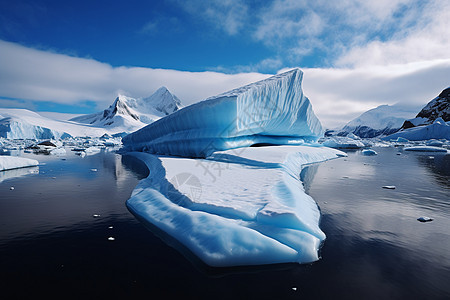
x=51, y=245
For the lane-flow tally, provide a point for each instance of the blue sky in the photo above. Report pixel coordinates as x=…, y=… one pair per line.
x=75, y=56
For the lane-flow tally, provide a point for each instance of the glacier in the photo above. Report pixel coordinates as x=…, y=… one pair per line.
x=273, y=111
x=26, y=124
x=238, y=207
x=438, y=130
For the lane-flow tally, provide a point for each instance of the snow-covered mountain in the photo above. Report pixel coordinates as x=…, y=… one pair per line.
x=439, y=107
x=125, y=115
x=382, y=120
x=26, y=124
x=133, y=113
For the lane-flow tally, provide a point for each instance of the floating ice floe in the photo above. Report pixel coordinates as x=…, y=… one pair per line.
x=238, y=207
x=14, y=162
x=342, y=142
x=273, y=111
x=425, y=149
x=424, y=219
x=92, y=150
x=369, y=152
x=58, y=151
x=389, y=187
x=435, y=143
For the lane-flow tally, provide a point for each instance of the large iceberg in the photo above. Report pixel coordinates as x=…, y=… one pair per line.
x=273, y=111
x=237, y=207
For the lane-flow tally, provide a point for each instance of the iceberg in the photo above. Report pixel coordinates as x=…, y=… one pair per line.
x=271, y=112
x=369, y=152
x=237, y=207
x=14, y=162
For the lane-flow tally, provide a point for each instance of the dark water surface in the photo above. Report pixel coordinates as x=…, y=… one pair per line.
x=52, y=246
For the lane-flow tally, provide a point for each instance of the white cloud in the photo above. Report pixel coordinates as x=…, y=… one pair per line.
x=427, y=39
x=31, y=74
x=345, y=33
x=337, y=95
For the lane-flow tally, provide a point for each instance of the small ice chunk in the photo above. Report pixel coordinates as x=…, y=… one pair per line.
x=96, y=216
x=11, y=188
x=111, y=238
x=424, y=219
x=294, y=288
x=110, y=227
x=401, y=140
x=94, y=170
x=369, y=152
x=389, y=187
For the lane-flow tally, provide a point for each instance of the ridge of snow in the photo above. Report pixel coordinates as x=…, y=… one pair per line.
x=22, y=124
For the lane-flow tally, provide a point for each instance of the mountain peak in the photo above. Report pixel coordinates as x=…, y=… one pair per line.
x=164, y=101
x=132, y=113
x=439, y=107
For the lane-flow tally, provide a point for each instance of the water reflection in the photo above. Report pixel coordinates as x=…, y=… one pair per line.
x=372, y=233
x=9, y=174
x=60, y=195
x=438, y=164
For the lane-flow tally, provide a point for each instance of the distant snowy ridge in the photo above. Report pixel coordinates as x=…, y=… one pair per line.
x=439, y=107
x=26, y=124
x=382, y=120
x=272, y=111
x=438, y=130
x=125, y=115
x=134, y=113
